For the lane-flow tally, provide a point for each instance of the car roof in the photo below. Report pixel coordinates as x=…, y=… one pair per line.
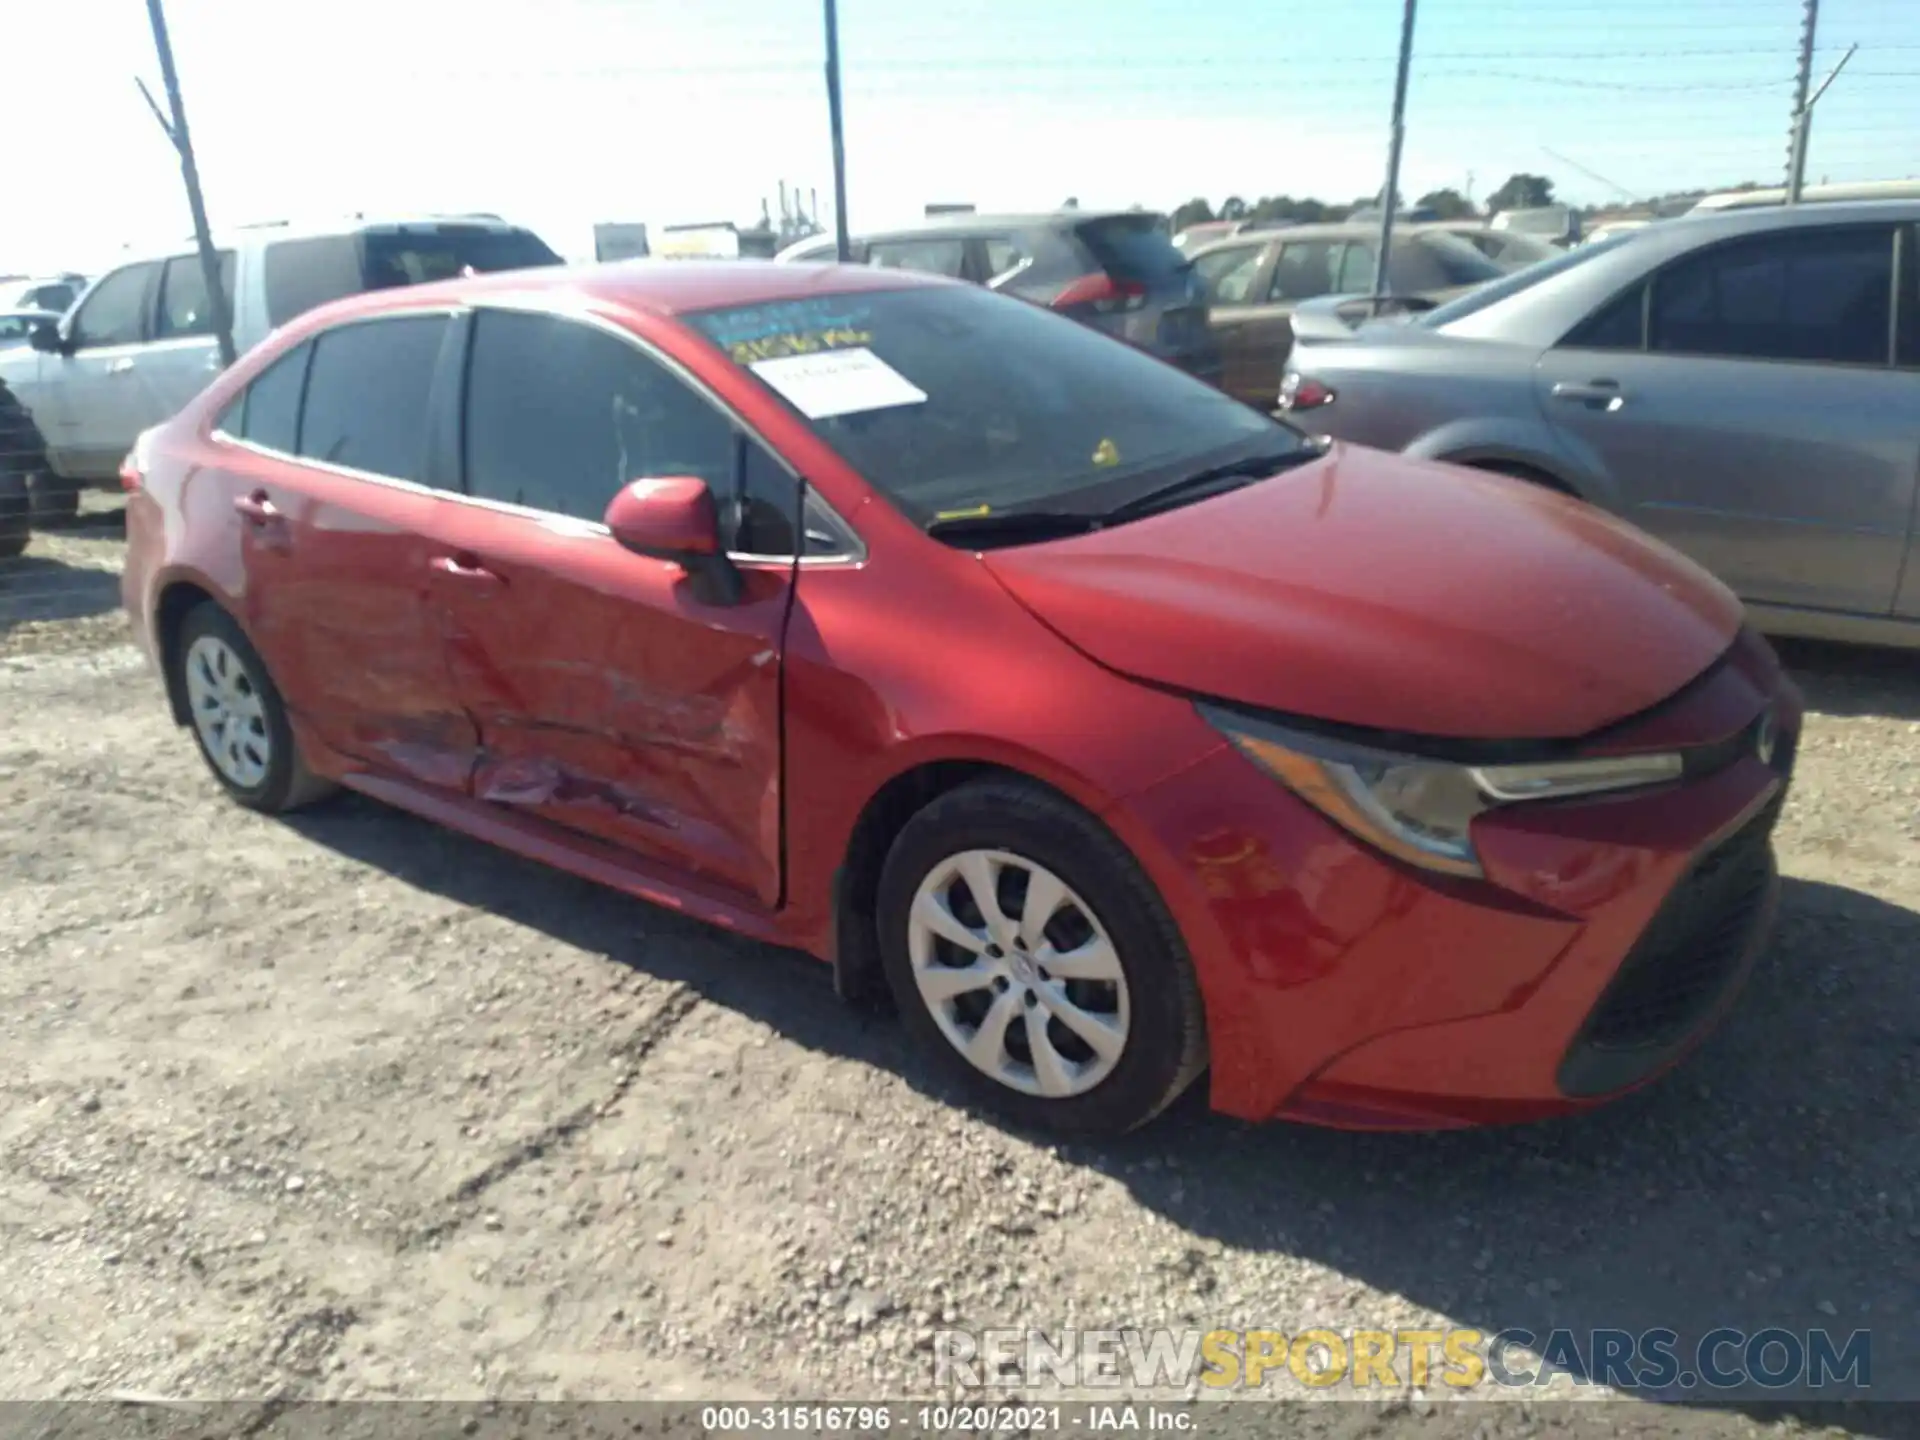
x=651, y=286
x=1777, y=217
x=267, y=232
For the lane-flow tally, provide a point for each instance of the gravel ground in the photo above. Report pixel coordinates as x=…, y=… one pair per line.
x=348, y=1107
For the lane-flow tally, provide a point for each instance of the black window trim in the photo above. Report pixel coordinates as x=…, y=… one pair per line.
x=854, y=551
x=1648, y=279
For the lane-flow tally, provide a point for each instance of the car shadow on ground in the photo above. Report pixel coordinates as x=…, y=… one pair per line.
x=1768, y=1182
x=38, y=588
x=1854, y=679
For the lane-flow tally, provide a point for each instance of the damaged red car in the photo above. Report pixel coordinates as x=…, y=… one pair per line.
x=1117, y=732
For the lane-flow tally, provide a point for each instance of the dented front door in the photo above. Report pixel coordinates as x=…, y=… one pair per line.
x=610, y=699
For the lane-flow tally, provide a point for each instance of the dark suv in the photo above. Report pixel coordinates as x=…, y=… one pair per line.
x=1117, y=271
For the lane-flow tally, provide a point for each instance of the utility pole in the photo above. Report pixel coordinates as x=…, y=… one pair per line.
x=843, y=250
x=1803, y=122
x=1392, y=197
x=176, y=132
x=1803, y=78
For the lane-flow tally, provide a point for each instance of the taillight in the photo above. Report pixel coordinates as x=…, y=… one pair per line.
x=1303, y=392
x=130, y=475
x=1102, y=294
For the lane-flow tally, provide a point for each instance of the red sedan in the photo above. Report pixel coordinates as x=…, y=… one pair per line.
x=1114, y=728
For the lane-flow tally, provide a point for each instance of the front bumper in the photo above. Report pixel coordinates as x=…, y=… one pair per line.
x=1346, y=989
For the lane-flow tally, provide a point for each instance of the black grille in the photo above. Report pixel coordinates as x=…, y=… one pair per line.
x=1682, y=966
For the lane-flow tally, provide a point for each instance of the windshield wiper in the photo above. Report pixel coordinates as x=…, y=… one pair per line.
x=1014, y=526
x=1214, y=480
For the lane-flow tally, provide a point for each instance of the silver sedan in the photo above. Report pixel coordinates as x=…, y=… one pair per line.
x=1745, y=386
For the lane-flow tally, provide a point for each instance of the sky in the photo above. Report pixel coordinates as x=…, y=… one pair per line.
x=560, y=113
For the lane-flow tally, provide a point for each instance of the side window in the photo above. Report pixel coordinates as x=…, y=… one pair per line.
x=560, y=415
x=185, y=309
x=1822, y=296
x=301, y=274
x=366, y=395
x=1003, y=252
x=267, y=413
x=1228, y=275
x=1620, y=324
x=769, y=506
x=1355, y=275
x=1304, y=270
x=938, y=257
x=116, y=312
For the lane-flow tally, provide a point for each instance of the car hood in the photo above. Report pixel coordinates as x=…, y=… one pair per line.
x=1372, y=590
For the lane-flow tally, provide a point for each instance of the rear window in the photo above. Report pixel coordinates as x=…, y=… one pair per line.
x=301, y=274
x=1132, y=247
x=1440, y=262
x=1514, y=281
x=952, y=400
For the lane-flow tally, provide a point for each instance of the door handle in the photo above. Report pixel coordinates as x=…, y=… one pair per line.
x=256, y=509
x=1597, y=394
x=120, y=366
x=467, y=570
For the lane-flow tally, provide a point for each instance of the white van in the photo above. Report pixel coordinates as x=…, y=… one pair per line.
x=139, y=343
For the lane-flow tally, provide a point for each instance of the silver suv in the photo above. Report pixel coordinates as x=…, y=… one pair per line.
x=139, y=343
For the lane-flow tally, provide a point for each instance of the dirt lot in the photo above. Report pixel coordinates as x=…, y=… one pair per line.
x=349, y=1107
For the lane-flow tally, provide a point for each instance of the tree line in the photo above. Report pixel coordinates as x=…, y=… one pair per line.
x=1519, y=192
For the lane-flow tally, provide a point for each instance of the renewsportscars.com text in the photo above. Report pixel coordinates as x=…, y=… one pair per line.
x=1320, y=1359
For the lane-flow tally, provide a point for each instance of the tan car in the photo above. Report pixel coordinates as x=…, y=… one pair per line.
x=1253, y=281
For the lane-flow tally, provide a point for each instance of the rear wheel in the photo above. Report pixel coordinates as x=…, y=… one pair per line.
x=1025, y=948
x=237, y=717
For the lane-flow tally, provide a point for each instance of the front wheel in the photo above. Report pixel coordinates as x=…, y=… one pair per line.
x=1026, y=948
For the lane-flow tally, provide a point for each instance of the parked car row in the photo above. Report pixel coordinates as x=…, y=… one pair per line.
x=1743, y=384
x=1114, y=270
x=1117, y=730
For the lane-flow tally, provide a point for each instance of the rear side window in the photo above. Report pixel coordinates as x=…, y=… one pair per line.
x=1228, y=275
x=1132, y=247
x=1304, y=271
x=560, y=415
x=1822, y=296
x=301, y=274
x=268, y=412
x=946, y=255
x=367, y=391
x=185, y=309
x=1455, y=261
x=1909, y=343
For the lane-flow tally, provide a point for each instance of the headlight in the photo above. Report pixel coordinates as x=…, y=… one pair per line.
x=1415, y=809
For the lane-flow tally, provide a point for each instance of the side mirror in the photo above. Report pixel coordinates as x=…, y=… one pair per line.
x=45, y=337
x=674, y=518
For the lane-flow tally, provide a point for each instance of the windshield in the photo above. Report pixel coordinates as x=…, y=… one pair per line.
x=953, y=401
x=1514, y=282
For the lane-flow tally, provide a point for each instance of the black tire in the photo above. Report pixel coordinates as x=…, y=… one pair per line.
x=1166, y=1042
x=288, y=783
x=56, y=501
x=16, y=514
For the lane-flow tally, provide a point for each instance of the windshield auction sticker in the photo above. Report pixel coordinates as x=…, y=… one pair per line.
x=839, y=382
